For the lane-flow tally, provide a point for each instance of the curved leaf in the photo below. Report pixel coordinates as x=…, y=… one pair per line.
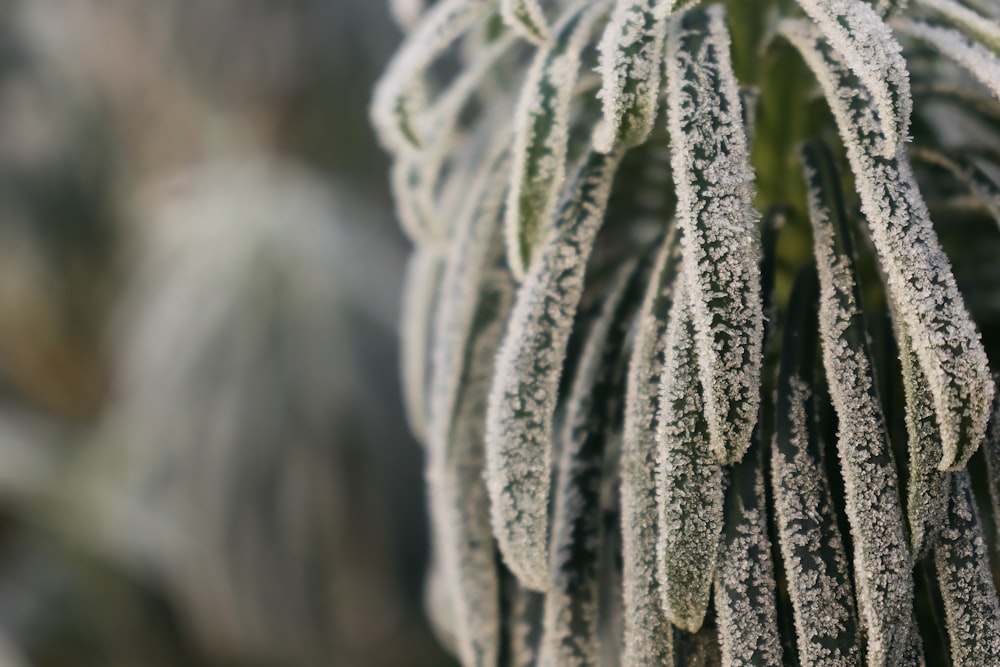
x=529, y=367
x=719, y=236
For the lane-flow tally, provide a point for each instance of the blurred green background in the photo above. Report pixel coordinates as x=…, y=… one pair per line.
x=203, y=460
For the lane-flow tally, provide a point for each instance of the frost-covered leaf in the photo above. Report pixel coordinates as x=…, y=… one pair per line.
x=541, y=133
x=400, y=95
x=745, y=588
x=527, y=18
x=991, y=452
x=812, y=548
x=927, y=488
x=963, y=568
x=867, y=46
x=570, y=637
x=470, y=247
x=476, y=296
x=688, y=478
x=976, y=27
x=631, y=67
x=976, y=58
x=920, y=281
x=881, y=553
x=718, y=224
x=529, y=368
x=648, y=632
x=423, y=276
x=981, y=185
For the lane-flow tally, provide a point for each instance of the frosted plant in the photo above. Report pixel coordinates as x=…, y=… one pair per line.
x=593, y=291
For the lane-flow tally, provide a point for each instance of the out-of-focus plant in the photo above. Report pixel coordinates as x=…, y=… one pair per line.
x=640, y=448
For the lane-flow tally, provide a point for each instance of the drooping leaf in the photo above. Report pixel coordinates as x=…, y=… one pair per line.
x=570, y=636
x=688, y=478
x=529, y=367
x=541, y=133
x=920, y=281
x=745, y=587
x=881, y=553
x=400, y=95
x=963, y=568
x=981, y=62
x=812, y=548
x=867, y=46
x=648, y=632
x=631, y=68
x=980, y=184
x=718, y=224
x=423, y=275
x=974, y=25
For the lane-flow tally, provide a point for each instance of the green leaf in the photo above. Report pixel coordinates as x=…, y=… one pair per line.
x=688, y=478
x=963, y=567
x=812, y=548
x=541, y=134
x=529, y=368
x=719, y=236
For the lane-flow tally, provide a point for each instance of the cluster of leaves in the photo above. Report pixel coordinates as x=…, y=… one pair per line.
x=635, y=452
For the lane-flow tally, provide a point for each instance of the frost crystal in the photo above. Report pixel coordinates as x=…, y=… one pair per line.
x=541, y=132
x=529, y=367
x=688, y=478
x=721, y=244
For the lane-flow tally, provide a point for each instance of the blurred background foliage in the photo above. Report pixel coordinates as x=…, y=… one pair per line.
x=202, y=456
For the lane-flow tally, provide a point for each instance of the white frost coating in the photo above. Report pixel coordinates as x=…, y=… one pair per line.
x=541, y=133
x=459, y=295
x=812, y=548
x=967, y=589
x=526, y=18
x=423, y=275
x=928, y=488
x=570, y=635
x=525, y=626
x=976, y=58
x=631, y=68
x=648, y=632
x=526, y=381
x=920, y=280
x=398, y=97
x=459, y=501
x=720, y=240
x=688, y=478
x=881, y=554
x=978, y=27
x=867, y=46
x=745, y=588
